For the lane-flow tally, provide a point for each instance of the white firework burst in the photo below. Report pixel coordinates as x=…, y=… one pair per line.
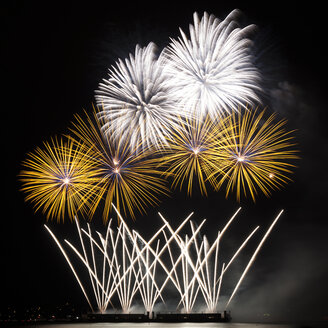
x=212, y=72
x=135, y=100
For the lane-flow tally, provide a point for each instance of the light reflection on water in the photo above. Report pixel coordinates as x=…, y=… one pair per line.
x=177, y=325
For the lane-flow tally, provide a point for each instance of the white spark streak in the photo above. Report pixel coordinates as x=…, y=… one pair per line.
x=130, y=264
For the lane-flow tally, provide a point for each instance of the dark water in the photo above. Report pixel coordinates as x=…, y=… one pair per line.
x=179, y=325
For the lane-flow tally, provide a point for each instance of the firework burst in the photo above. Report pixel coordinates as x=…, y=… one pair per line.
x=60, y=179
x=127, y=177
x=135, y=99
x=190, y=153
x=213, y=72
x=254, y=154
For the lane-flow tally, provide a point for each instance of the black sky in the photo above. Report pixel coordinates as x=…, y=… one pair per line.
x=54, y=56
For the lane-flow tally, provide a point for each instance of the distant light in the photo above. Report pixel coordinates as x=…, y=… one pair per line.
x=116, y=162
x=271, y=175
x=240, y=158
x=116, y=170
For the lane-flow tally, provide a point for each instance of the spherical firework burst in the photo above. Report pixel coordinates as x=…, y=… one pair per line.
x=253, y=155
x=60, y=179
x=189, y=155
x=127, y=177
x=212, y=72
x=135, y=99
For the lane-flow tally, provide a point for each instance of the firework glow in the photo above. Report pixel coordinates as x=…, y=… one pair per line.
x=136, y=99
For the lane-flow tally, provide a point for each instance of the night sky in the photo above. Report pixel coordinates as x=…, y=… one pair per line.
x=54, y=56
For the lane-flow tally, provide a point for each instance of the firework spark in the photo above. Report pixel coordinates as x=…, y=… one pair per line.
x=124, y=264
x=60, y=179
x=135, y=98
x=127, y=177
x=213, y=72
x=253, y=156
x=189, y=155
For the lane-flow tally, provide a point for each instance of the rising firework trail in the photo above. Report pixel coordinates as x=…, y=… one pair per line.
x=70, y=265
x=125, y=265
x=204, y=281
x=213, y=72
x=254, y=256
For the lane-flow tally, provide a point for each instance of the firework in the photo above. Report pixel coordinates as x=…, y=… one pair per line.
x=127, y=177
x=253, y=155
x=212, y=72
x=59, y=179
x=135, y=98
x=189, y=155
x=122, y=264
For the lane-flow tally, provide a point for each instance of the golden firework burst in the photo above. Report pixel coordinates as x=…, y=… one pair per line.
x=188, y=158
x=254, y=154
x=127, y=176
x=59, y=179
